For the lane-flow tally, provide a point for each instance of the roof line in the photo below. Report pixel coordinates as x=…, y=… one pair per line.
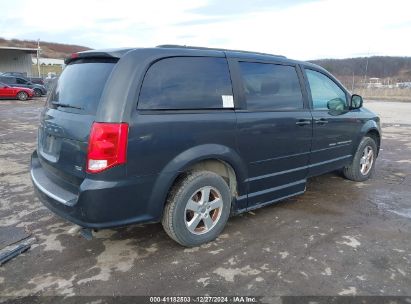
x=214, y=49
x=18, y=48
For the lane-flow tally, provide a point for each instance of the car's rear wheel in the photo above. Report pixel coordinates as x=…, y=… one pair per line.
x=22, y=95
x=197, y=208
x=37, y=92
x=363, y=163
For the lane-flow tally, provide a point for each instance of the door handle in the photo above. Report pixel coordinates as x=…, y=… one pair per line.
x=321, y=121
x=303, y=122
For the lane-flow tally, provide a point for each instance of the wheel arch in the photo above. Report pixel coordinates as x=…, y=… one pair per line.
x=375, y=134
x=219, y=159
x=219, y=167
x=372, y=129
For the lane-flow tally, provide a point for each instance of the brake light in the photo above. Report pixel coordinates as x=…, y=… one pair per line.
x=107, y=146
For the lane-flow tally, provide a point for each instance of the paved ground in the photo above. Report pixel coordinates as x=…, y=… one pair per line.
x=339, y=238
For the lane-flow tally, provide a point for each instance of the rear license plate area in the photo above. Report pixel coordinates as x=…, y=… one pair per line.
x=49, y=146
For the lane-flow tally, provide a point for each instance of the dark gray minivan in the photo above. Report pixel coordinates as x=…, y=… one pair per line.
x=189, y=136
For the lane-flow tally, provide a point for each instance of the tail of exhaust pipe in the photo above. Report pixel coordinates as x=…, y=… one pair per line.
x=87, y=233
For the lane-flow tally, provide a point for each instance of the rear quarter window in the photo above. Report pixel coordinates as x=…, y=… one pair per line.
x=186, y=83
x=81, y=85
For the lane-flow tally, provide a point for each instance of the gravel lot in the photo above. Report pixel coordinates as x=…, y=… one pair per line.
x=339, y=238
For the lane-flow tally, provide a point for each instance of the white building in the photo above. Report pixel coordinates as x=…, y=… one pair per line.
x=16, y=59
x=374, y=83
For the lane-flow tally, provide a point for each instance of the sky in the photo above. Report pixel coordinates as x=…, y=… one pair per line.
x=297, y=29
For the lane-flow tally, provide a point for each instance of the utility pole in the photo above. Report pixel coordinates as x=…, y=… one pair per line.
x=38, y=55
x=353, y=82
x=366, y=67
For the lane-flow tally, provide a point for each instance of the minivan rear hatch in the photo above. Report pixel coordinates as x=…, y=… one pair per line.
x=69, y=113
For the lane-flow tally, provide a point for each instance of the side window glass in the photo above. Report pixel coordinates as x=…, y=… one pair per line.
x=21, y=81
x=325, y=92
x=271, y=86
x=187, y=83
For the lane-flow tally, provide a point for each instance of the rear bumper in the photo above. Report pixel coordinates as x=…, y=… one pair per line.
x=96, y=204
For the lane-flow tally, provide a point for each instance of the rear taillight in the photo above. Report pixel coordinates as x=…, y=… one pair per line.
x=107, y=146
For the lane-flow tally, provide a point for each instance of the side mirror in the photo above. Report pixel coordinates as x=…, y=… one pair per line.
x=356, y=102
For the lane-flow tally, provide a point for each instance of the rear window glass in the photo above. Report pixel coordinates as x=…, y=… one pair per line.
x=80, y=85
x=187, y=83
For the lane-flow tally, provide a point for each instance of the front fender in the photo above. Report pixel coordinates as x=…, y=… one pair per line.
x=370, y=126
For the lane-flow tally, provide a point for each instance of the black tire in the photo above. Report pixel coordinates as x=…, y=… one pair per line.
x=176, y=216
x=22, y=96
x=354, y=171
x=37, y=92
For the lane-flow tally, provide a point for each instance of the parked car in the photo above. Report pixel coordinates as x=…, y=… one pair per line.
x=15, y=74
x=8, y=92
x=189, y=136
x=13, y=81
x=35, y=80
x=50, y=80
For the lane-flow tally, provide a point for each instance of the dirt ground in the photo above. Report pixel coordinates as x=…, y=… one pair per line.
x=339, y=238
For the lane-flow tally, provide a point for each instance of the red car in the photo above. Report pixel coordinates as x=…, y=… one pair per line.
x=7, y=92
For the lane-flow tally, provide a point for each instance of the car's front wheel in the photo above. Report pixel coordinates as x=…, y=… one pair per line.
x=22, y=96
x=197, y=208
x=363, y=163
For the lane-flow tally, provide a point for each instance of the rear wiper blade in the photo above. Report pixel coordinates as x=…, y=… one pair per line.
x=66, y=105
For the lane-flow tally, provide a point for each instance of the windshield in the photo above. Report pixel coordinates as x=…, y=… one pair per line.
x=81, y=84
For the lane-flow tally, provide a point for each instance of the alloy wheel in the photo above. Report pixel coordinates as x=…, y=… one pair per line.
x=203, y=210
x=367, y=160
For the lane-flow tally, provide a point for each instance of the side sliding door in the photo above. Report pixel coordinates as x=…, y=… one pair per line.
x=274, y=129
